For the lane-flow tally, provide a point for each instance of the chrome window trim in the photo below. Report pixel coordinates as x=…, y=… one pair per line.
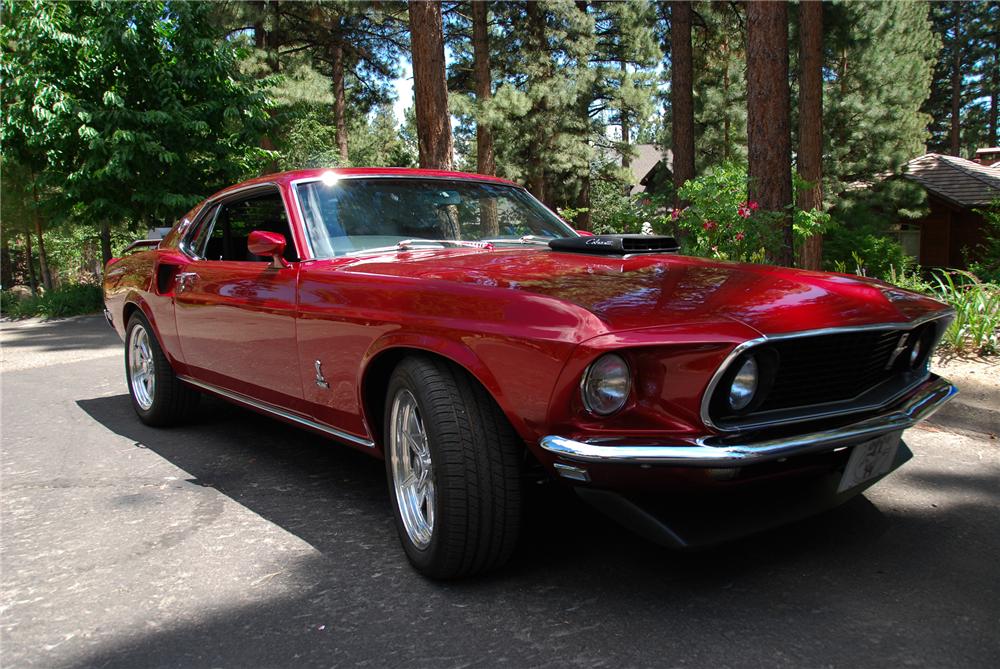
x=278, y=411
x=294, y=184
x=943, y=314
x=222, y=198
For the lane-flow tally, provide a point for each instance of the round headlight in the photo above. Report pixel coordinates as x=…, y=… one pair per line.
x=744, y=385
x=606, y=385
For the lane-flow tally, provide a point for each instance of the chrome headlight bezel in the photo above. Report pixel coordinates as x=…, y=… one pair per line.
x=610, y=374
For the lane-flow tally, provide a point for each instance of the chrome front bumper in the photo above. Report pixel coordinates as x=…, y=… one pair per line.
x=717, y=451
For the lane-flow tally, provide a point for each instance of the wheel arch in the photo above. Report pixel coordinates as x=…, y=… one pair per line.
x=382, y=360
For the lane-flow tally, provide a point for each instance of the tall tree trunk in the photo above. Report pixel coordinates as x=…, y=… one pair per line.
x=31, y=263
x=6, y=262
x=584, y=221
x=768, y=109
x=536, y=165
x=485, y=158
x=956, y=83
x=994, y=139
x=43, y=261
x=105, y=243
x=339, y=102
x=681, y=94
x=726, y=121
x=264, y=40
x=430, y=86
x=810, y=156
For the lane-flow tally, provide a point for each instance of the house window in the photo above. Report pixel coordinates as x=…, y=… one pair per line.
x=909, y=239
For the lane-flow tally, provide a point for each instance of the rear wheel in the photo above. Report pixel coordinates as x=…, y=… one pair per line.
x=158, y=396
x=452, y=462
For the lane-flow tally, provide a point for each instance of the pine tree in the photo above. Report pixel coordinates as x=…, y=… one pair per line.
x=880, y=58
x=681, y=93
x=810, y=116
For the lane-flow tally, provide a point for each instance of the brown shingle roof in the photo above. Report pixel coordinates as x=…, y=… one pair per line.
x=957, y=180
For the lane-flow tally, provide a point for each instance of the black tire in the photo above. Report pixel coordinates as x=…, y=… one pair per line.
x=171, y=402
x=476, y=470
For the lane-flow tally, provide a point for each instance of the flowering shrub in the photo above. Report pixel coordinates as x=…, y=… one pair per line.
x=722, y=223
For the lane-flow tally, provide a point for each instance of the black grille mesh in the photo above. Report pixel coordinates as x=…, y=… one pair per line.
x=830, y=368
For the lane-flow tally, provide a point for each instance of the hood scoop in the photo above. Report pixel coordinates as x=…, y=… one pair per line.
x=615, y=245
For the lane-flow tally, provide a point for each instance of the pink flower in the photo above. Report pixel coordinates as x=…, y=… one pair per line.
x=675, y=214
x=709, y=225
x=753, y=205
x=740, y=236
x=743, y=212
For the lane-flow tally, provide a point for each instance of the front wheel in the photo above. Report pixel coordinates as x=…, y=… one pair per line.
x=158, y=396
x=452, y=462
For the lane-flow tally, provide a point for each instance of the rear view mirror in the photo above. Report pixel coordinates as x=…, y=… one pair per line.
x=263, y=243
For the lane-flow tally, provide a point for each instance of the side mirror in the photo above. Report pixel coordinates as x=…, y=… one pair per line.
x=584, y=233
x=263, y=243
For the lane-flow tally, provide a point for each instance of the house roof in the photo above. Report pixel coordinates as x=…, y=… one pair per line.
x=646, y=157
x=959, y=181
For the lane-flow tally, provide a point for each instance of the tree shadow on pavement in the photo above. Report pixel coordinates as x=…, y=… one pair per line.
x=579, y=589
x=66, y=334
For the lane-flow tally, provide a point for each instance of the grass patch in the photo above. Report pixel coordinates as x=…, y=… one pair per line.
x=71, y=300
x=976, y=327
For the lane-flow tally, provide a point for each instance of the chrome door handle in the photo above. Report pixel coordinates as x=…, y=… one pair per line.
x=183, y=279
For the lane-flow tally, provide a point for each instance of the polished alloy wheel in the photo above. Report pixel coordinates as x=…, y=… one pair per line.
x=141, y=367
x=412, y=469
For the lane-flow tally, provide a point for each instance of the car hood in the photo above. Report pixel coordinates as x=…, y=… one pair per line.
x=655, y=290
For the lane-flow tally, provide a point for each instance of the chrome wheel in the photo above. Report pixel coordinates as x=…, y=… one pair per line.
x=412, y=469
x=141, y=367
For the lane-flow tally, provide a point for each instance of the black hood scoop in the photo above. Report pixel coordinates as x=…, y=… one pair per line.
x=615, y=245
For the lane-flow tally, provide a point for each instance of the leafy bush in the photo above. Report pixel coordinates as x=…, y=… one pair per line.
x=986, y=263
x=722, y=223
x=70, y=300
x=977, y=312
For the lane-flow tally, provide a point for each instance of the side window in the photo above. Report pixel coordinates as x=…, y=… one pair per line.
x=225, y=233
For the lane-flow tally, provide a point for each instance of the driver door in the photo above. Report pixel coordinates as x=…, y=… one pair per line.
x=236, y=312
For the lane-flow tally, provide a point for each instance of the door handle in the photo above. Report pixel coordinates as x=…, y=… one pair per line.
x=184, y=279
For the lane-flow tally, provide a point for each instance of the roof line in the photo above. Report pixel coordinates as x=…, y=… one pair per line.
x=964, y=170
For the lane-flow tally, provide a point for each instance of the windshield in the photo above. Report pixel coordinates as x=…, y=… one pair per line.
x=347, y=216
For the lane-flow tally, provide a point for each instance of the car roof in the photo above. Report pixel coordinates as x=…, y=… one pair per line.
x=285, y=178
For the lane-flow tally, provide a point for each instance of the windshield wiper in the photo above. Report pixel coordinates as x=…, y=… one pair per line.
x=407, y=244
x=526, y=239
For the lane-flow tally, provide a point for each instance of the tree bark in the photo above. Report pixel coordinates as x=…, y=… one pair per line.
x=105, y=244
x=485, y=157
x=43, y=261
x=430, y=86
x=6, y=262
x=810, y=156
x=768, y=126
x=681, y=94
x=956, y=83
x=339, y=101
x=584, y=221
x=536, y=165
x=31, y=263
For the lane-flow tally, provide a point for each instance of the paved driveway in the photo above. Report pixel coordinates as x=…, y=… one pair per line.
x=241, y=542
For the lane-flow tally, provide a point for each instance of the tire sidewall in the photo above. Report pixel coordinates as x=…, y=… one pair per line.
x=145, y=414
x=429, y=558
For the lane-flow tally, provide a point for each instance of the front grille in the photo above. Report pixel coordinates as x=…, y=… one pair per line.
x=830, y=368
x=822, y=375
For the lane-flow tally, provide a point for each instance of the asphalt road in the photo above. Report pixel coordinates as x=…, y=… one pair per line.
x=241, y=542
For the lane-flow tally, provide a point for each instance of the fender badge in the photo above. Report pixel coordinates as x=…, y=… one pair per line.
x=320, y=380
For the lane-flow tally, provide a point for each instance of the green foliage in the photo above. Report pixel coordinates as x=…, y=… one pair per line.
x=615, y=212
x=134, y=110
x=70, y=300
x=985, y=260
x=721, y=223
x=880, y=61
x=977, y=312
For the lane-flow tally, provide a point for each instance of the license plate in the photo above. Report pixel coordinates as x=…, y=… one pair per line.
x=870, y=460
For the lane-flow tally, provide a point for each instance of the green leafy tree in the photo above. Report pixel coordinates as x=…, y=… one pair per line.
x=138, y=110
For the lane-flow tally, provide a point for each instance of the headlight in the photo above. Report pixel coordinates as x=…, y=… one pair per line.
x=744, y=385
x=606, y=385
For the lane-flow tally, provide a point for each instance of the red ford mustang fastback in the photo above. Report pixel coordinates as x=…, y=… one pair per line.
x=452, y=325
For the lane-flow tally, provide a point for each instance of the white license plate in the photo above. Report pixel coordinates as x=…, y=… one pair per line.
x=870, y=460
